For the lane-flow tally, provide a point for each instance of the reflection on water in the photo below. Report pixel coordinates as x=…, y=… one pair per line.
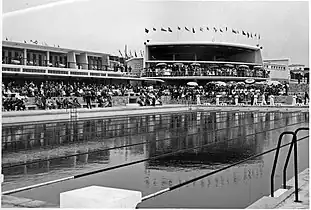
x=218, y=139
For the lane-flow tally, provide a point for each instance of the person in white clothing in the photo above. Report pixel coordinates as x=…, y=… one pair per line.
x=271, y=100
x=217, y=99
x=294, y=100
x=236, y=100
x=263, y=101
x=255, y=99
x=198, y=99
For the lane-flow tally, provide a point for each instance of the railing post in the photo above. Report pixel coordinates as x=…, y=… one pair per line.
x=293, y=143
x=275, y=160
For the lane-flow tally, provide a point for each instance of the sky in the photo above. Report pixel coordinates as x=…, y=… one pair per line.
x=107, y=26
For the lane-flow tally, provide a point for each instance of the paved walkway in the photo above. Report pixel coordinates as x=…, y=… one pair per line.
x=286, y=200
x=24, y=117
x=289, y=203
x=8, y=201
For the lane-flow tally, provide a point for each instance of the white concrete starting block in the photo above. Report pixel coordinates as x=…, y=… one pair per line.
x=100, y=197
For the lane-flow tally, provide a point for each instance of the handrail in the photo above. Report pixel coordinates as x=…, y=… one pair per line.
x=293, y=143
x=276, y=159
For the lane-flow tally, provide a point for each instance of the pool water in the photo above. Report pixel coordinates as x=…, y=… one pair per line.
x=182, y=146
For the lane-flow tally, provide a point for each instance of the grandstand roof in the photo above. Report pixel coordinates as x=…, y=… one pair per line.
x=203, y=43
x=48, y=48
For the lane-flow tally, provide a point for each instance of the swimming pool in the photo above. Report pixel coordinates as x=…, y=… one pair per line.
x=181, y=145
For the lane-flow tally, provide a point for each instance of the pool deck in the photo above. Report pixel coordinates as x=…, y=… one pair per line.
x=26, y=117
x=286, y=200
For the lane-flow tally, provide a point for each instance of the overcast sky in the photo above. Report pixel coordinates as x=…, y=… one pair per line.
x=106, y=26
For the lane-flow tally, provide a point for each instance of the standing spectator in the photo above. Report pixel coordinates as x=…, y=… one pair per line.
x=306, y=98
x=88, y=97
x=263, y=102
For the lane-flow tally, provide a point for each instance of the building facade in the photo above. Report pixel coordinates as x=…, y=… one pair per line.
x=278, y=68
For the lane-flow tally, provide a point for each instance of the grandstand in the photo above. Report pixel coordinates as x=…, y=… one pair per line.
x=38, y=62
x=203, y=61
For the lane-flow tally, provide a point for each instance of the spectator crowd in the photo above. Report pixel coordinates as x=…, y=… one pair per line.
x=64, y=95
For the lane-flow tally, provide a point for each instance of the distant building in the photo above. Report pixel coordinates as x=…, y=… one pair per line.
x=279, y=69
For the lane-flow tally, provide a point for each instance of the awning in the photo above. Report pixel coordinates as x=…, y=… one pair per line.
x=229, y=65
x=192, y=84
x=243, y=66
x=161, y=64
x=249, y=81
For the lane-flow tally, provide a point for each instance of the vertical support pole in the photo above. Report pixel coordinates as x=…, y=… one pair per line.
x=296, y=168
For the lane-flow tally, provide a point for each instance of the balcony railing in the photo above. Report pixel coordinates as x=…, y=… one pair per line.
x=57, y=64
x=205, y=72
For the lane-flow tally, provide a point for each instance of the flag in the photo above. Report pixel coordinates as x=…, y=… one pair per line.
x=154, y=29
x=36, y=42
x=141, y=53
x=251, y=35
x=226, y=29
x=135, y=54
x=215, y=29
x=120, y=53
x=178, y=28
x=169, y=29
x=187, y=29
x=162, y=29
x=146, y=30
x=243, y=33
x=233, y=31
x=247, y=35
x=258, y=36
x=25, y=41
x=220, y=30
x=207, y=28
x=6, y=38
x=125, y=51
x=58, y=45
x=131, y=53
x=255, y=35
x=201, y=29
x=193, y=31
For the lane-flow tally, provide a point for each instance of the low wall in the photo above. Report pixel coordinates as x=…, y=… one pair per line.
x=123, y=100
x=277, y=99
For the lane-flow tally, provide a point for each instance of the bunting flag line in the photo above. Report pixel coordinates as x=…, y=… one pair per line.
x=169, y=29
x=162, y=29
x=187, y=29
x=146, y=30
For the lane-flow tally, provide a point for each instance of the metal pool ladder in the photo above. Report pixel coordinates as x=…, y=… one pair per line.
x=293, y=144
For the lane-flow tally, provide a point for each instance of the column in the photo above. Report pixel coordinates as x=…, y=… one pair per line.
x=71, y=60
x=25, y=57
x=47, y=58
